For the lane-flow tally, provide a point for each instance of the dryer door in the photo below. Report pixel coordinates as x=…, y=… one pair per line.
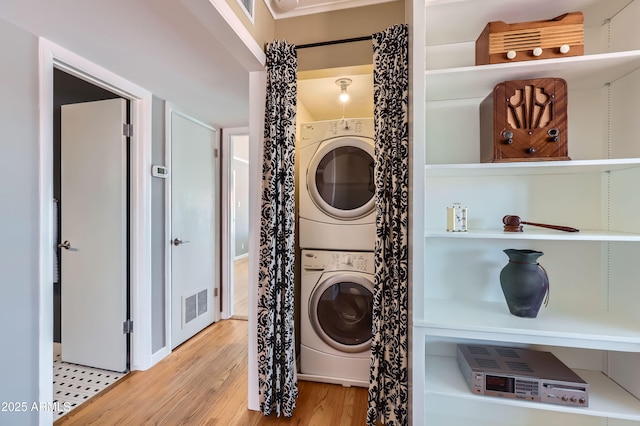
x=340, y=311
x=340, y=177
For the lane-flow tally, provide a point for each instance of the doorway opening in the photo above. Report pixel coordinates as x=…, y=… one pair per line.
x=78, y=371
x=54, y=57
x=235, y=182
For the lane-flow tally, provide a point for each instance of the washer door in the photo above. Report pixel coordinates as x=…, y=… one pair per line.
x=340, y=177
x=340, y=312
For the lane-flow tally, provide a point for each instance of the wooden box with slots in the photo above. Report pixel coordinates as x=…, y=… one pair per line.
x=526, y=41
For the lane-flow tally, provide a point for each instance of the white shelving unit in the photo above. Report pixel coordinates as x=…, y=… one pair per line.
x=532, y=168
x=606, y=396
x=592, y=322
x=582, y=72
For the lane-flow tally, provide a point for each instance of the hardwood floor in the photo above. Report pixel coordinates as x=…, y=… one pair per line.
x=241, y=288
x=204, y=382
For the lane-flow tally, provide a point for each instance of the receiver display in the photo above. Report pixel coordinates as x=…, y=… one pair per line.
x=499, y=384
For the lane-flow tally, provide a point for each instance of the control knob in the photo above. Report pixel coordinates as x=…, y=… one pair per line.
x=507, y=136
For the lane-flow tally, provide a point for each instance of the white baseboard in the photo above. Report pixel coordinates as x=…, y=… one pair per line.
x=241, y=256
x=57, y=348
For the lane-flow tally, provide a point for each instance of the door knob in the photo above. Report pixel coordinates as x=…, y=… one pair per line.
x=177, y=241
x=66, y=245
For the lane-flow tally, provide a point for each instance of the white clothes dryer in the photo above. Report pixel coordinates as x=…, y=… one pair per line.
x=336, y=185
x=336, y=316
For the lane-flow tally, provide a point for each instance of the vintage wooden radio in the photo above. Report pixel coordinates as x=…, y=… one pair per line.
x=526, y=41
x=525, y=120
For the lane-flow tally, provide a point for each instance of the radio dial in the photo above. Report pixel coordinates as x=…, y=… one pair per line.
x=507, y=136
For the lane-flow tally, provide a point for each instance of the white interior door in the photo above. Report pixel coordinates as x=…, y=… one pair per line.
x=194, y=255
x=93, y=231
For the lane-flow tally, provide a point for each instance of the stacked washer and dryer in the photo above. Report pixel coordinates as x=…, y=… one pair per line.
x=337, y=238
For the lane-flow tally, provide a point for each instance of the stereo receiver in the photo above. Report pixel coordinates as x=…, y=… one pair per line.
x=521, y=374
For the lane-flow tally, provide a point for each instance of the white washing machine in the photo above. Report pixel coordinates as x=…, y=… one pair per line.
x=336, y=185
x=336, y=316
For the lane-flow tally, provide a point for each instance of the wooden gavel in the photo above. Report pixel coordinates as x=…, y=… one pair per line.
x=514, y=224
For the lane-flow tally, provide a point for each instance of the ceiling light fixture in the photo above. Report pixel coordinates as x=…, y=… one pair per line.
x=285, y=5
x=343, y=83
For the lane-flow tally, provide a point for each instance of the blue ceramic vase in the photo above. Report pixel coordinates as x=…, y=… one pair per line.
x=524, y=282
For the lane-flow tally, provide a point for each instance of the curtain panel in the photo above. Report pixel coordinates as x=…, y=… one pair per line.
x=389, y=381
x=276, y=346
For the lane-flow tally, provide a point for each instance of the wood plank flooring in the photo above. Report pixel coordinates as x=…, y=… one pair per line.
x=204, y=382
x=241, y=288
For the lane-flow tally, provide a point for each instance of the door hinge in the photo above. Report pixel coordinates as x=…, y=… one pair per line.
x=127, y=327
x=215, y=292
x=215, y=152
x=127, y=130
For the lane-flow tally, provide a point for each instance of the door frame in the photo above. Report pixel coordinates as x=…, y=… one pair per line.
x=169, y=110
x=54, y=56
x=257, y=95
x=227, y=231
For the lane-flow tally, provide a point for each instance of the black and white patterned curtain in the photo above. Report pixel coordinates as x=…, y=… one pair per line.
x=276, y=345
x=389, y=381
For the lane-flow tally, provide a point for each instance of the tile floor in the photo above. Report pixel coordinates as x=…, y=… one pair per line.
x=74, y=384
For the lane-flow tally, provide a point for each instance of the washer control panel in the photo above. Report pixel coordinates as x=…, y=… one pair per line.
x=314, y=260
x=311, y=262
x=322, y=130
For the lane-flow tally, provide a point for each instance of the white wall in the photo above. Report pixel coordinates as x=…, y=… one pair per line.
x=19, y=192
x=19, y=188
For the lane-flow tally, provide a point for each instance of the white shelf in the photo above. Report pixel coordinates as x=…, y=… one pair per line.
x=530, y=168
x=530, y=233
x=492, y=321
x=449, y=21
x=580, y=72
x=606, y=399
x=607, y=333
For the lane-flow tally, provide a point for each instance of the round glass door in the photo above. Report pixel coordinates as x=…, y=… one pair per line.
x=340, y=312
x=340, y=178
